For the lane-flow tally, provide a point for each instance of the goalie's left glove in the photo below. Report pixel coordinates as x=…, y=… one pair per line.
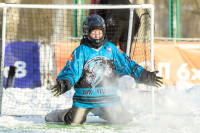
x=150, y=78
x=61, y=87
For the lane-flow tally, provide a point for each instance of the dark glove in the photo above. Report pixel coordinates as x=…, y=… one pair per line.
x=150, y=78
x=61, y=87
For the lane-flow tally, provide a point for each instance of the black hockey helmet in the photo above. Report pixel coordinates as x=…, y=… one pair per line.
x=92, y=22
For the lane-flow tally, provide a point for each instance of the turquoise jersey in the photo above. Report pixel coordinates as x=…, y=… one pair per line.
x=95, y=73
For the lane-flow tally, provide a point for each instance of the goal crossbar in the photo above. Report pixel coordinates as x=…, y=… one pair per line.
x=72, y=6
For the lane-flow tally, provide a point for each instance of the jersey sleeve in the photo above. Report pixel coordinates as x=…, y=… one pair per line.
x=125, y=66
x=74, y=67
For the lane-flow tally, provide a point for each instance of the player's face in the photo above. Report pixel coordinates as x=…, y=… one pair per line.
x=96, y=34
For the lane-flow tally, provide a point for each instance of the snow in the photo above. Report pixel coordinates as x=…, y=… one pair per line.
x=177, y=110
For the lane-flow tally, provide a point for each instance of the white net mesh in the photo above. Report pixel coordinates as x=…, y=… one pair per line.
x=39, y=43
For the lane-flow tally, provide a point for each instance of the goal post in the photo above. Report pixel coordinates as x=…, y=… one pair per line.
x=38, y=40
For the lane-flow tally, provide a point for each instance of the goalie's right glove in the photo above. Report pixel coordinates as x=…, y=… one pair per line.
x=150, y=78
x=61, y=87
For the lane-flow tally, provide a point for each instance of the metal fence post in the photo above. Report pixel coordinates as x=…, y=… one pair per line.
x=2, y=54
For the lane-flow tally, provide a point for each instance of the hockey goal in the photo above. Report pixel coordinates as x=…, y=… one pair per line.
x=38, y=40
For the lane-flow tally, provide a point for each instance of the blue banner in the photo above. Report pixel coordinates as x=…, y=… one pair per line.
x=25, y=57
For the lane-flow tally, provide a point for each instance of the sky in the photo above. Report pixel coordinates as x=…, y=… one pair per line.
x=177, y=110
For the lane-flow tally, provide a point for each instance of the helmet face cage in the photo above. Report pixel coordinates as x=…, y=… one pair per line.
x=92, y=22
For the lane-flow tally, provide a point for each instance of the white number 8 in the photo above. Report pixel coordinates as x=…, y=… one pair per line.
x=21, y=69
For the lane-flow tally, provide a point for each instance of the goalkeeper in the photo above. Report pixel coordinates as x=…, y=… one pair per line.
x=93, y=70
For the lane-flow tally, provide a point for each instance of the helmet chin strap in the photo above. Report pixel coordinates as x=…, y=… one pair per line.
x=97, y=42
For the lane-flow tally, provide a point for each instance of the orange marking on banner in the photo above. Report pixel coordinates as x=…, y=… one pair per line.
x=63, y=51
x=182, y=61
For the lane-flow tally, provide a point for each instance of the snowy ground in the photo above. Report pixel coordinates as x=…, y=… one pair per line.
x=177, y=110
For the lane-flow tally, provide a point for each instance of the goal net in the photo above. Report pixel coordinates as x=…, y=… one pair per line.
x=38, y=40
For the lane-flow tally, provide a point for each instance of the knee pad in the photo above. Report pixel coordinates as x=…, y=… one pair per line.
x=55, y=116
x=75, y=116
